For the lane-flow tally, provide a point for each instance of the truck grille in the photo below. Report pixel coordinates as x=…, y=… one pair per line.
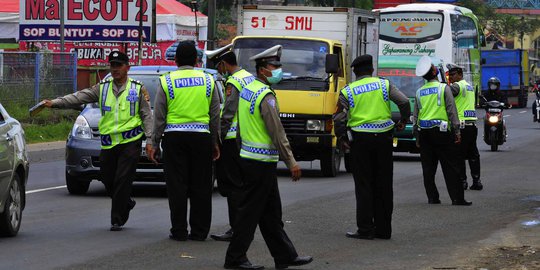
x=292, y=125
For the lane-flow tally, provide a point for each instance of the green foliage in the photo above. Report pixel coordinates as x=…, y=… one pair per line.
x=364, y=4
x=49, y=125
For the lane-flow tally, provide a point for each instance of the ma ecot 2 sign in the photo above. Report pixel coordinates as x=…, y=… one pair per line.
x=85, y=20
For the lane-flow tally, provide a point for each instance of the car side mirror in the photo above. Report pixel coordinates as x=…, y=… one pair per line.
x=332, y=63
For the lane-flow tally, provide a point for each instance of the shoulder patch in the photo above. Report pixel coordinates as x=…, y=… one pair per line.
x=137, y=82
x=106, y=80
x=145, y=94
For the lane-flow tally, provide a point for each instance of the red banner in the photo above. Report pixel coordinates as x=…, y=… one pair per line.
x=96, y=53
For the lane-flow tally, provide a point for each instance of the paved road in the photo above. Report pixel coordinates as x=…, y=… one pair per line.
x=71, y=232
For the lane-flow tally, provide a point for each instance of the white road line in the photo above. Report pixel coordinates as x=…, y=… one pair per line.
x=506, y=115
x=44, y=189
x=523, y=112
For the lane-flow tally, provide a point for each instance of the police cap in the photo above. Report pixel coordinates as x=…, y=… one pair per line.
x=270, y=56
x=454, y=67
x=363, y=61
x=118, y=57
x=423, y=66
x=217, y=55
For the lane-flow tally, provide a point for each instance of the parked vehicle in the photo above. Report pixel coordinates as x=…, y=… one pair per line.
x=512, y=69
x=494, y=124
x=14, y=167
x=83, y=145
x=319, y=44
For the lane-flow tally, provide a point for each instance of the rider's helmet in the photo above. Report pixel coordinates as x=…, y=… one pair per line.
x=494, y=83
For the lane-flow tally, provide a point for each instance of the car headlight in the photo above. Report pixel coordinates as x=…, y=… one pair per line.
x=493, y=119
x=315, y=125
x=81, y=128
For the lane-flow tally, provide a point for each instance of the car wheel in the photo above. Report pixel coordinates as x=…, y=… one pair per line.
x=76, y=186
x=10, y=219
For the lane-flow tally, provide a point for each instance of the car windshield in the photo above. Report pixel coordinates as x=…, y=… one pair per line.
x=404, y=79
x=303, y=61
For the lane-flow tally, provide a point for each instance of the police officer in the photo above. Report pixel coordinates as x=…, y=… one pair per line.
x=364, y=107
x=125, y=112
x=263, y=141
x=186, y=111
x=229, y=177
x=465, y=97
x=436, y=118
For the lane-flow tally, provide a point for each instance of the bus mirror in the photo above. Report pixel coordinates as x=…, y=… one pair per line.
x=332, y=63
x=483, y=61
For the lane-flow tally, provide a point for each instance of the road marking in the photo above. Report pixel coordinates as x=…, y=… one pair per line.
x=523, y=112
x=506, y=115
x=44, y=189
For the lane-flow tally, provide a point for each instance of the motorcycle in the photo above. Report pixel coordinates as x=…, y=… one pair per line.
x=494, y=124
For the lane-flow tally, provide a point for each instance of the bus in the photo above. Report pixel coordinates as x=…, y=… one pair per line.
x=447, y=33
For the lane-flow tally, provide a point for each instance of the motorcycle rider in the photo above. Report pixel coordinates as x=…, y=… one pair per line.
x=537, y=92
x=494, y=91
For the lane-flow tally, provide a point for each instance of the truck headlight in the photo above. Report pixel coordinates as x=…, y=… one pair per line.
x=81, y=128
x=315, y=125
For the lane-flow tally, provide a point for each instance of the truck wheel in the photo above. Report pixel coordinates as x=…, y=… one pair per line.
x=10, y=219
x=76, y=186
x=330, y=163
x=347, y=158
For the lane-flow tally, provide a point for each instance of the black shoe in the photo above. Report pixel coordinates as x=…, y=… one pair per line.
x=465, y=184
x=434, y=201
x=196, y=237
x=464, y=202
x=295, y=262
x=244, y=265
x=359, y=236
x=116, y=227
x=477, y=185
x=227, y=236
x=177, y=237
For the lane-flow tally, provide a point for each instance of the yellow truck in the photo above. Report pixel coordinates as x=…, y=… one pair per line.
x=319, y=43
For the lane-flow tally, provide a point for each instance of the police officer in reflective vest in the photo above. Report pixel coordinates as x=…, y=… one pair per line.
x=229, y=177
x=364, y=107
x=186, y=111
x=126, y=113
x=436, y=117
x=465, y=97
x=263, y=141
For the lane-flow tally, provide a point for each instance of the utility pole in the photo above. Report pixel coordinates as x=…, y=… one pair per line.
x=211, y=45
x=62, y=18
x=141, y=15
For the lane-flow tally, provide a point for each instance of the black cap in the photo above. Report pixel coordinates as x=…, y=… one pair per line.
x=118, y=57
x=363, y=61
x=186, y=50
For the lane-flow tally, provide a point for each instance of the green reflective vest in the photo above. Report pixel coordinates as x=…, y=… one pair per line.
x=432, y=105
x=239, y=79
x=120, y=119
x=256, y=143
x=465, y=102
x=369, y=105
x=189, y=94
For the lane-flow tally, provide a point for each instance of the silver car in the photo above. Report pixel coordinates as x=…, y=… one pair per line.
x=13, y=173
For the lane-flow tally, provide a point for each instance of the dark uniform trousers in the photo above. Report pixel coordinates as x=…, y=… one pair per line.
x=260, y=204
x=469, y=151
x=187, y=158
x=373, y=180
x=118, y=167
x=229, y=176
x=438, y=146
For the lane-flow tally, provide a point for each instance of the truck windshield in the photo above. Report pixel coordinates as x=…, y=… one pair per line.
x=404, y=79
x=303, y=61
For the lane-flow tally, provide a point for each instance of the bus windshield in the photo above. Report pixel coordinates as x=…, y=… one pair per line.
x=303, y=61
x=404, y=79
x=411, y=27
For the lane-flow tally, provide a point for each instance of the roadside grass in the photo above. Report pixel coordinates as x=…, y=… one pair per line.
x=49, y=125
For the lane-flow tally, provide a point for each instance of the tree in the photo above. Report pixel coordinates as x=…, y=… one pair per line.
x=364, y=4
